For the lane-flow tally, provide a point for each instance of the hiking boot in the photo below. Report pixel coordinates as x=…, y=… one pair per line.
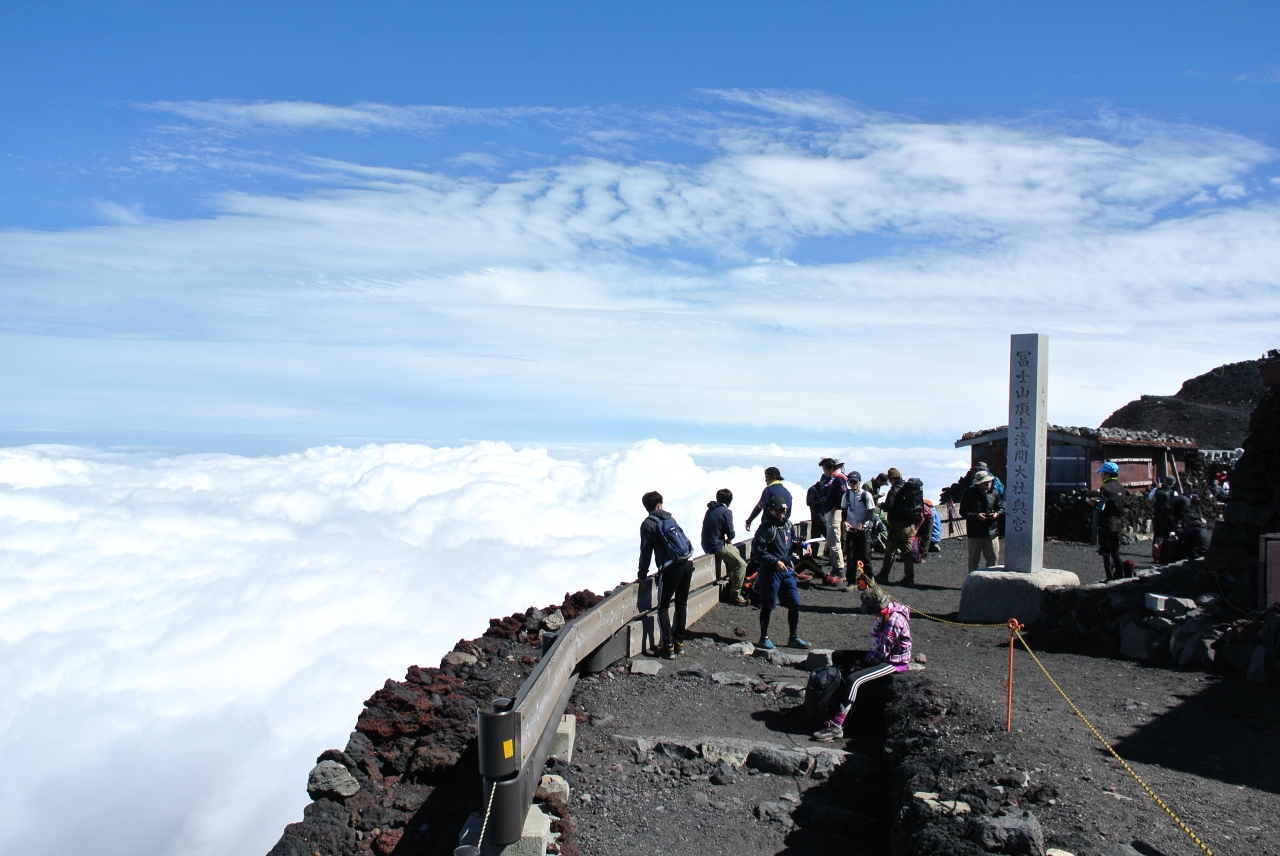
x=829, y=580
x=882, y=578
x=803, y=576
x=908, y=581
x=739, y=600
x=679, y=646
x=828, y=734
x=797, y=642
x=766, y=644
x=667, y=652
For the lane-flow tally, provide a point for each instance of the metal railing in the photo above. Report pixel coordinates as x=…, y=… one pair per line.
x=515, y=735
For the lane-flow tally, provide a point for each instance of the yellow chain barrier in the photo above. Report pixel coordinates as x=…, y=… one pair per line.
x=1113, y=752
x=865, y=582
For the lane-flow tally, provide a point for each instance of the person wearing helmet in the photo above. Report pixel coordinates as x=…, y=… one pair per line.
x=771, y=549
x=1110, y=503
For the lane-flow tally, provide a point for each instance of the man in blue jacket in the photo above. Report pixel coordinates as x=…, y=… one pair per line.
x=717, y=540
x=773, y=487
x=771, y=550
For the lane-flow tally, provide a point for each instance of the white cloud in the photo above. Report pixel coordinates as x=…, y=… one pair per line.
x=361, y=117
x=198, y=628
x=626, y=291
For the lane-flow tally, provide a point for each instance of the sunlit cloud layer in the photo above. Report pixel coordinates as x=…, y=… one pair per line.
x=620, y=287
x=198, y=628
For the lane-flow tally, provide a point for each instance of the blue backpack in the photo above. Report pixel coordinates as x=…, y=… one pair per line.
x=673, y=540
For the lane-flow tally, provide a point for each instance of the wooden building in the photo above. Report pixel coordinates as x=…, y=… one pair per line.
x=1075, y=454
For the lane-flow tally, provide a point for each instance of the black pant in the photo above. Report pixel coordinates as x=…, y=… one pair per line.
x=1109, y=547
x=858, y=550
x=673, y=582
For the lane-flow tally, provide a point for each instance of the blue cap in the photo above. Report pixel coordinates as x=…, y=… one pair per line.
x=1110, y=467
x=855, y=476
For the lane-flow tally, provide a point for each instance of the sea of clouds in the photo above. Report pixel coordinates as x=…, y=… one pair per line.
x=182, y=635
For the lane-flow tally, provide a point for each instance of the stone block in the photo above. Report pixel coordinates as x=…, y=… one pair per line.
x=645, y=667
x=996, y=595
x=732, y=752
x=1135, y=642
x=1168, y=605
x=1190, y=648
x=742, y=649
x=562, y=743
x=818, y=658
x=534, y=838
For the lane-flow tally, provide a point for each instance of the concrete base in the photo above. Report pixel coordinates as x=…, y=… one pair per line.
x=996, y=595
x=562, y=743
x=534, y=838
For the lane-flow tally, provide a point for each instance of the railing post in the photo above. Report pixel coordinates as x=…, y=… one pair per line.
x=498, y=743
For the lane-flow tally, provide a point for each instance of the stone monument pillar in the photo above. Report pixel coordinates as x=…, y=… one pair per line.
x=1017, y=588
x=1028, y=453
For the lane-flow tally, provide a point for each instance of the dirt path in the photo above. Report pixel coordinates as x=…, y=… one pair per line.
x=1207, y=745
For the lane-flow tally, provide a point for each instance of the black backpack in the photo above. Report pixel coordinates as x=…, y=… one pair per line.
x=822, y=694
x=909, y=501
x=673, y=540
x=816, y=495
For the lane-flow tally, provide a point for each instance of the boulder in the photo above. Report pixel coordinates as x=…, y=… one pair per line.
x=555, y=786
x=553, y=622
x=1135, y=642
x=695, y=670
x=457, y=658
x=742, y=649
x=329, y=778
x=779, y=761
x=1016, y=834
x=786, y=658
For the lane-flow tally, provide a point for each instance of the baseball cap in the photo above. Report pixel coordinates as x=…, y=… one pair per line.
x=1110, y=467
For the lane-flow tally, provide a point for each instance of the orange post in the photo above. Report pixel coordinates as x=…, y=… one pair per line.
x=1014, y=627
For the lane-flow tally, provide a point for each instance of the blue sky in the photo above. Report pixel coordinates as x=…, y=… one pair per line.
x=226, y=227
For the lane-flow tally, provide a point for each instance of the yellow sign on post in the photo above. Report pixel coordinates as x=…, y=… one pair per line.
x=508, y=748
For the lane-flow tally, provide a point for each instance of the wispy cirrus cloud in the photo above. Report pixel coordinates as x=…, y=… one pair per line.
x=361, y=117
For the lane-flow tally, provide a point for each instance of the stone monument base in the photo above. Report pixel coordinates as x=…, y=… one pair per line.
x=996, y=595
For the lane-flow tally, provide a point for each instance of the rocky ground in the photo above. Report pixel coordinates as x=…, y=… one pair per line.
x=1205, y=743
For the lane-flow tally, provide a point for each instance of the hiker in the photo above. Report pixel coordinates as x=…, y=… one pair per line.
x=816, y=498
x=935, y=529
x=981, y=507
x=662, y=539
x=1194, y=535
x=772, y=487
x=874, y=486
x=859, y=522
x=717, y=540
x=903, y=502
x=1163, y=523
x=891, y=653
x=981, y=467
x=832, y=518
x=1110, y=502
x=772, y=547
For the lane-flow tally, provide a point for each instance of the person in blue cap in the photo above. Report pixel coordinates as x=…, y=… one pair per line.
x=772, y=548
x=1110, y=502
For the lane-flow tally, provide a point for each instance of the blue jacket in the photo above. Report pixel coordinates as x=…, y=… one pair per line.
x=773, y=543
x=717, y=527
x=775, y=489
x=936, y=534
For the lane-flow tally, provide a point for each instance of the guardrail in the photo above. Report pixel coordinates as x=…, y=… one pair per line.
x=515, y=736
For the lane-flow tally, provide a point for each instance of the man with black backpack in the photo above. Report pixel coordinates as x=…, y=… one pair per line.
x=662, y=539
x=905, y=503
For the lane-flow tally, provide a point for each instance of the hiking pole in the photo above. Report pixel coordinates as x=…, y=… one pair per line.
x=1014, y=627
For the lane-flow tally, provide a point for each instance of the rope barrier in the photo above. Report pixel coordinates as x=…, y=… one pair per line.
x=865, y=582
x=1113, y=752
